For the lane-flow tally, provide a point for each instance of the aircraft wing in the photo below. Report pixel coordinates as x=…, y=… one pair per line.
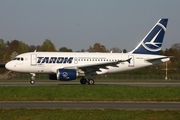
x=97, y=67
x=103, y=65
x=91, y=67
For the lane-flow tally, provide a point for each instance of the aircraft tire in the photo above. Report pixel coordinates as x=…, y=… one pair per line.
x=83, y=81
x=91, y=82
x=32, y=82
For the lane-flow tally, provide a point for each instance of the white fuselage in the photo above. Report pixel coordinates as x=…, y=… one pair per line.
x=49, y=62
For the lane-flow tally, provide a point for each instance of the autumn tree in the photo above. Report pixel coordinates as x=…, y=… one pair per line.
x=65, y=49
x=12, y=46
x=97, y=48
x=47, y=46
x=17, y=47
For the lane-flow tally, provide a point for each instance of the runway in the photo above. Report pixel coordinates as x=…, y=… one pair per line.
x=92, y=105
x=59, y=83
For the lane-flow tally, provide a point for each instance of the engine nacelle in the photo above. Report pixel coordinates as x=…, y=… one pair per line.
x=66, y=74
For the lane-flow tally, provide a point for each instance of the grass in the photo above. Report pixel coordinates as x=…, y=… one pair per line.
x=89, y=93
x=106, y=114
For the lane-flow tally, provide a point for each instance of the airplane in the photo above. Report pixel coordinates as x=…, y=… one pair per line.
x=66, y=66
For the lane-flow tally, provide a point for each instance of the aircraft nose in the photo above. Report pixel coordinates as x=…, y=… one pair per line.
x=9, y=66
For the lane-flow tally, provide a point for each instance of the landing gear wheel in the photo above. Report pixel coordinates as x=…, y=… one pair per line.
x=32, y=82
x=91, y=82
x=83, y=81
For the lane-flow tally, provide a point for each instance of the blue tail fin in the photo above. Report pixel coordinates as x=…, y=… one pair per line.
x=152, y=42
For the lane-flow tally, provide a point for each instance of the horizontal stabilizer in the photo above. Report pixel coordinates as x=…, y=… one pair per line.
x=159, y=58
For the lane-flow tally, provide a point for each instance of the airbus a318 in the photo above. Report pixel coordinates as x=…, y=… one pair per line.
x=66, y=66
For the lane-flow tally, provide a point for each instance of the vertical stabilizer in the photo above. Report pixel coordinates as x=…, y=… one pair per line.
x=152, y=42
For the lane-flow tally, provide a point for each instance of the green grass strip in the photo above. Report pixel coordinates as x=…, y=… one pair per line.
x=89, y=93
x=106, y=114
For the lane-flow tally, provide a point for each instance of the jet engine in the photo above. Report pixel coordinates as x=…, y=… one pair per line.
x=64, y=75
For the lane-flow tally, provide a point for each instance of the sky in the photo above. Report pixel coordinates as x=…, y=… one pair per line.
x=78, y=24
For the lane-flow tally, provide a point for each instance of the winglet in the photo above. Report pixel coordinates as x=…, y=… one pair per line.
x=152, y=42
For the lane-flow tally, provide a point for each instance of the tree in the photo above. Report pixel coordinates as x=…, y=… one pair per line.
x=22, y=48
x=2, y=51
x=32, y=48
x=124, y=51
x=13, y=55
x=17, y=47
x=12, y=46
x=47, y=46
x=176, y=46
x=97, y=48
x=175, y=52
x=65, y=49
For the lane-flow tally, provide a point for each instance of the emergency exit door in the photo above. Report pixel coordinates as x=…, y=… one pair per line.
x=33, y=59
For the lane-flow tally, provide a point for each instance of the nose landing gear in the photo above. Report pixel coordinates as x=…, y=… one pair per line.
x=32, y=81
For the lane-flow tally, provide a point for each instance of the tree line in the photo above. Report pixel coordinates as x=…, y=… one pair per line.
x=10, y=49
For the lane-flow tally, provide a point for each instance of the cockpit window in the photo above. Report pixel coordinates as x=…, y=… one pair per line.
x=15, y=58
x=19, y=58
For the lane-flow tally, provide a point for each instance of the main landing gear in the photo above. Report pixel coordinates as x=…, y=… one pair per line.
x=89, y=81
x=32, y=81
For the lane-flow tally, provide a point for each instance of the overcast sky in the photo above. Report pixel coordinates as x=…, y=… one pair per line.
x=78, y=24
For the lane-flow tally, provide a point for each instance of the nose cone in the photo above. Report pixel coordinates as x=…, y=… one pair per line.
x=9, y=66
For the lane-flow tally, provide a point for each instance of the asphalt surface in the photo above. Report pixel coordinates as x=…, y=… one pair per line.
x=56, y=83
x=92, y=105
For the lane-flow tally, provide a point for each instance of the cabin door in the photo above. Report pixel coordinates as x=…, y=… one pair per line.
x=131, y=63
x=33, y=59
